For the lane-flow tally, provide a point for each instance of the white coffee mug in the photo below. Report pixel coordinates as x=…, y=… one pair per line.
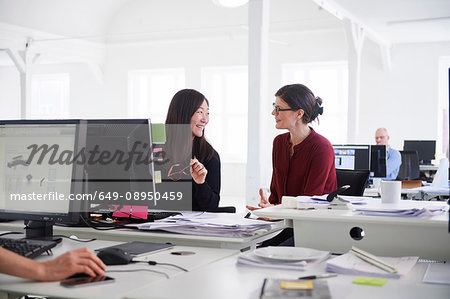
x=391, y=191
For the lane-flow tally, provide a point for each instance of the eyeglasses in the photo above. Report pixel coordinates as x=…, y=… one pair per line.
x=177, y=175
x=278, y=109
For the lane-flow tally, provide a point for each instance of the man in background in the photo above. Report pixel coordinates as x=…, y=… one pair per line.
x=393, y=157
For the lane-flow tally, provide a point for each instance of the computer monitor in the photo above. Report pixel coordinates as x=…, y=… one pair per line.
x=119, y=168
x=425, y=148
x=378, y=161
x=37, y=167
x=353, y=157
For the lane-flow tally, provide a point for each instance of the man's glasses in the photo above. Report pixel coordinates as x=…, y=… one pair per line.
x=278, y=109
x=177, y=175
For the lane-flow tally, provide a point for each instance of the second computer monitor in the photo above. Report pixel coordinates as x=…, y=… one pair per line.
x=361, y=157
x=354, y=157
x=425, y=148
x=378, y=161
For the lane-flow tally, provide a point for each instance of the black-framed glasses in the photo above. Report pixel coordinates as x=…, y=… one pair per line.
x=278, y=109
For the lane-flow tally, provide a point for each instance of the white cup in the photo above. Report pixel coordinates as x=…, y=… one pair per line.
x=289, y=202
x=391, y=191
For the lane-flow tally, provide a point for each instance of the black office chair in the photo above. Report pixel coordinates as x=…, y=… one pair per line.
x=410, y=169
x=227, y=209
x=357, y=179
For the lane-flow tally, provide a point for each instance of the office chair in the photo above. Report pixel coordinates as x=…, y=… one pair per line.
x=228, y=209
x=410, y=169
x=357, y=179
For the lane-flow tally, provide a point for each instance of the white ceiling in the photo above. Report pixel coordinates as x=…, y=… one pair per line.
x=115, y=21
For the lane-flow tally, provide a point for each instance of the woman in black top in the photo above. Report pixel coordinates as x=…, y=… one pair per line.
x=189, y=106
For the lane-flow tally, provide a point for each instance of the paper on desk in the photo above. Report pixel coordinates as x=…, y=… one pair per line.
x=320, y=201
x=404, y=209
x=210, y=224
x=250, y=259
x=437, y=273
x=349, y=263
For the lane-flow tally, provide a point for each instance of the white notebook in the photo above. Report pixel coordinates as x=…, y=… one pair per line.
x=437, y=273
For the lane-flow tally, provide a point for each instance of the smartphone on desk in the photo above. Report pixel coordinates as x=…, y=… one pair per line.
x=85, y=281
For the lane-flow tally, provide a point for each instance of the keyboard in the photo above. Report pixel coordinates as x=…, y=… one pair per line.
x=27, y=247
x=156, y=215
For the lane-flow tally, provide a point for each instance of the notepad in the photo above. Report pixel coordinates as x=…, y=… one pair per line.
x=437, y=273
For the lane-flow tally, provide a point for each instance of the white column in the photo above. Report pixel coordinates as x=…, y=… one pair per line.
x=258, y=20
x=23, y=64
x=355, y=40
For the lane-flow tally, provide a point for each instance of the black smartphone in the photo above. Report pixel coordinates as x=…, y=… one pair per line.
x=85, y=281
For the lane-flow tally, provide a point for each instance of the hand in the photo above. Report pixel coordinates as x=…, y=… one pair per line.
x=76, y=261
x=264, y=203
x=198, y=171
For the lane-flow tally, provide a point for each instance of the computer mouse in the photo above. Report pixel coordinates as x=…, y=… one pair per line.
x=114, y=256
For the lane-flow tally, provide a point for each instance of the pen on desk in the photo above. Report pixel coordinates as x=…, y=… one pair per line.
x=318, y=276
x=248, y=215
x=373, y=260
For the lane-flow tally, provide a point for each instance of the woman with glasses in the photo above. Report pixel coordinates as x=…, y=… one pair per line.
x=303, y=160
x=189, y=106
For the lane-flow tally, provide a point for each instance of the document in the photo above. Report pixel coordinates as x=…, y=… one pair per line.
x=406, y=208
x=349, y=263
x=211, y=224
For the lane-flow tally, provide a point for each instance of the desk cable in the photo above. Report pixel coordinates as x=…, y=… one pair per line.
x=153, y=263
x=75, y=238
x=90, y=223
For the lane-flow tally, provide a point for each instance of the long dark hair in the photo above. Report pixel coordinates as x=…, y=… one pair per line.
x=181, y=109
x=298, y=96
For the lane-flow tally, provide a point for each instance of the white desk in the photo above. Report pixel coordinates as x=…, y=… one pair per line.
x=386, y=236
x=126, y=235
x=125, y=282
x=224, y=280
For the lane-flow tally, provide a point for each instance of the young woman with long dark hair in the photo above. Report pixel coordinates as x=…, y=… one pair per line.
x=189, y=106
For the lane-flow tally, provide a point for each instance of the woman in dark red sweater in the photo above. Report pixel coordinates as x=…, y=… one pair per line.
x=302, y=160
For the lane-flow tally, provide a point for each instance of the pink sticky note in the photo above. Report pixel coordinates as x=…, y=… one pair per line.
x=124, y=212
x=139, y=212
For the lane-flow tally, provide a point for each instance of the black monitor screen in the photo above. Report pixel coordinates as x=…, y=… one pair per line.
x=425, y=148
x=378, y=161
x=354, y=157
x=118, y=168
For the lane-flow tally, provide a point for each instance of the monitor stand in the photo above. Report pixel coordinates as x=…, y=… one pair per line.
x=41, y=230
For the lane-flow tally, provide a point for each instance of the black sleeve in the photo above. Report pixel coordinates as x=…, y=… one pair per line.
x=206, y=196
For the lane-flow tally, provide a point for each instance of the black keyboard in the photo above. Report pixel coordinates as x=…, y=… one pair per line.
x=156, y=215
x=27, y=247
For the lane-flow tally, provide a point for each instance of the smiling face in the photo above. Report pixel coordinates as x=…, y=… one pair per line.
x=285, y=119
x=200, y=119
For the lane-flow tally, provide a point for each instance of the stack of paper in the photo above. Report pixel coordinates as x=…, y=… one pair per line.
x=349, y=263
x=401, y=212
x=318, y=202
x=210, y=224
x=254, y=259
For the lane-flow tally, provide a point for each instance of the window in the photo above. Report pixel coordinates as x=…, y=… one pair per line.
x=226, y=88
x=150, y=92
x=50, y=96
x=327, y=80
